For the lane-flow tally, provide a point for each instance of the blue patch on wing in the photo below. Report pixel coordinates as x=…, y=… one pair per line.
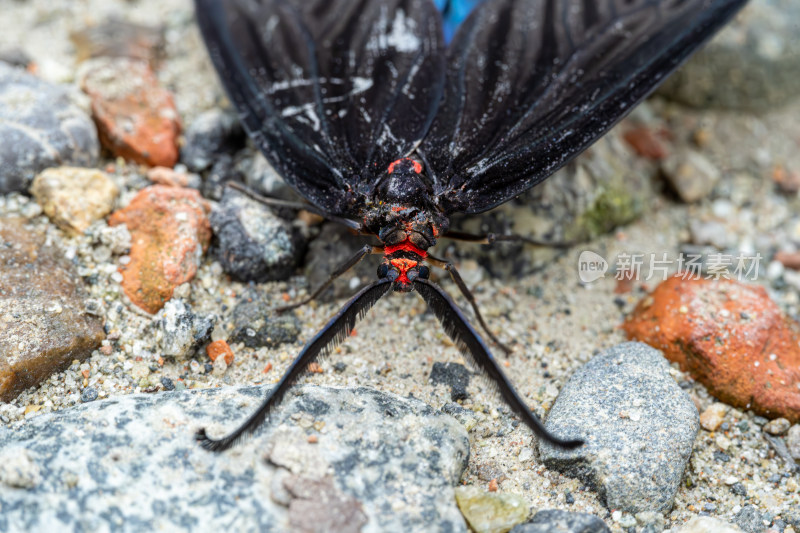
x=453, y=12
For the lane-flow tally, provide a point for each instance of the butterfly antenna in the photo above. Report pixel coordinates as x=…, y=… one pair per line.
x=470, y=343
x=334, y=332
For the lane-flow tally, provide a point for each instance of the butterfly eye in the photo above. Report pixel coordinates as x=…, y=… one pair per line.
x=424, y=272
x=383, y=270
x=393, y=273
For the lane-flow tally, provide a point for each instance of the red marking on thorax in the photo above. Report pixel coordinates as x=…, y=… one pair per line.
x=403, y=265
x=417, y=165
x=406, y=246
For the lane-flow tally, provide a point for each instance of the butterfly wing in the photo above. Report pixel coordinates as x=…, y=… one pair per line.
x=532, y=83
x=329, y=90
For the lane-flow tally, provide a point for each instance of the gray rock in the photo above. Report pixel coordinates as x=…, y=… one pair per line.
x=750, y=519
x=753, y=64
x=40, y=127
x=179, y=330
x=44, y=324
x=261, y=177
x=639, y=427
x=691, y=174
x=210, y=135
x=556, y=521
x=606, y=186
x=255, y=324
x=131, y=464
x=253, y=244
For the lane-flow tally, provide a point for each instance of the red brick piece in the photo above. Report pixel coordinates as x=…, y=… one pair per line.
x=169, y=232
x=729, y=336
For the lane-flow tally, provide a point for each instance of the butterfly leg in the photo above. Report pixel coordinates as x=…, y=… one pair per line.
x=491, y=238
x=350, y=263
x=451, y=269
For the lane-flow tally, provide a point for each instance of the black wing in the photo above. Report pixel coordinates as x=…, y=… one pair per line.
x=470, y=343
x=334, y=332
x=329, y=90
x=532, y=83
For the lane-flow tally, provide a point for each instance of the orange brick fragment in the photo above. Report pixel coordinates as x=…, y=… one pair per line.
x=217, y=348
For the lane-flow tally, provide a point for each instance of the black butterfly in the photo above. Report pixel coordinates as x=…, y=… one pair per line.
x=362, y=109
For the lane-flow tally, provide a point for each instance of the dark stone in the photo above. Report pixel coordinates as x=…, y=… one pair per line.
x=222, y=171
x=333, y=246
x=210, y=135
x=638, y=424
x=252, y=243
x=89, y=394
x=167, y=384
x=256, y=325
x=557, y=521
x=454, y=375
x=721, y=456
x=40, y=127
x=739, y=489
x=750, y=520
x=44, y=325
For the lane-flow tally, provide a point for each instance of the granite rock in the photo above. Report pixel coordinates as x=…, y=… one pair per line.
x=131, y=464
x=638, y=424
x=179, y=330
x=750, y=520
x=41, y=125
x=44, y=324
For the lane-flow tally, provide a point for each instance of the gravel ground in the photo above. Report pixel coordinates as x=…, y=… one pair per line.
x=554, y=322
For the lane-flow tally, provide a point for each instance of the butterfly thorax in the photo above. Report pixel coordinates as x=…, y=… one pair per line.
x=405, y=221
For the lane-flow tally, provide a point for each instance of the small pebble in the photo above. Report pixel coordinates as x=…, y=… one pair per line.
x=712, y=417
x=739, y=489
x=89, y=394
x=793, y=441
x=167, y=384
x=779, y=426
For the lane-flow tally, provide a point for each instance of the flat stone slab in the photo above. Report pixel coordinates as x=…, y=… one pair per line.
x=336, y=459
x=638, y=424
